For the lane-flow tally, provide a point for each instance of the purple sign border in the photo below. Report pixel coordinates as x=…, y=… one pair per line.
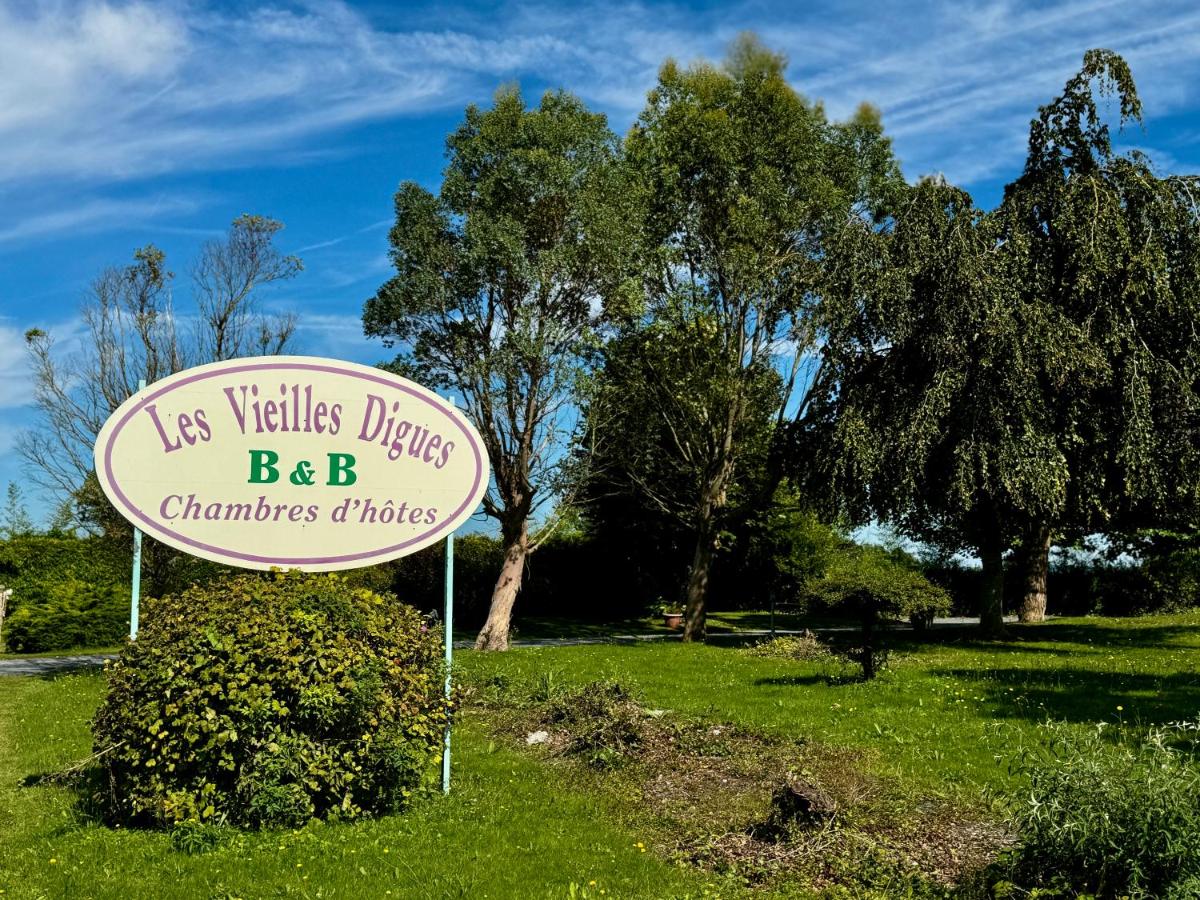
x=283, y=561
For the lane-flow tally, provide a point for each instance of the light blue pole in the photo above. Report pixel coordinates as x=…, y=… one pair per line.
x=135, y=593
x=448, y=626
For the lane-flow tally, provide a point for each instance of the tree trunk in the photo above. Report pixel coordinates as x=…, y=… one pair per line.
x=867, y=658
x=1035, y=570
x=696, y=611
x=494, y=634
x=991, y=608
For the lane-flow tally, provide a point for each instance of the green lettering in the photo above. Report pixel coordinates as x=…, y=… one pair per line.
x=262, y=467
x=341, y=470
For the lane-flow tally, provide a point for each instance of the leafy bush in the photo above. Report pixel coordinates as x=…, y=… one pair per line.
x=269, y=701
x=65, y=614
x=806, y=647
x=1110, y=819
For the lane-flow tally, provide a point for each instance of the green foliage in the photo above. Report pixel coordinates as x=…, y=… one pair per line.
x=67, y=592
x=61, y=615
x=805, y=647
x=268, y=702
x=876, y=585
x=869, y=580
x=15, y=521
x=1028, y=368
x=743, y=179
x=504, y=284
x=1108, y=818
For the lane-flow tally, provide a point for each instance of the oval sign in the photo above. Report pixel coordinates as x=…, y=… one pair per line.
x=291, y=461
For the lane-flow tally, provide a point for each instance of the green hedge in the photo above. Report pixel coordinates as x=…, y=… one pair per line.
x=67, y=614
x=67, y=592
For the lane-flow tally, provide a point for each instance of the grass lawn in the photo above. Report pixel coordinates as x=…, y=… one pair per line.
x=941, y=721
x=944, y=710
x=503, y=832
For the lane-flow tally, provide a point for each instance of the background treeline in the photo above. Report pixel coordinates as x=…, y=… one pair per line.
x=702, y=353
x=70, y=591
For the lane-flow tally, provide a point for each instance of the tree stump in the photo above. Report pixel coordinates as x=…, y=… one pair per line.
x=799, y=803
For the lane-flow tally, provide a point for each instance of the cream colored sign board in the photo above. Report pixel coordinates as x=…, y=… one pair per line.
x=291, y=462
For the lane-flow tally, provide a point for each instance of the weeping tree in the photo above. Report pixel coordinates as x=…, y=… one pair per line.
x=503, y=283
x=1114, y=249
x=1000, y=377
x=940, y=420
x=132, y=332
x=745, y=183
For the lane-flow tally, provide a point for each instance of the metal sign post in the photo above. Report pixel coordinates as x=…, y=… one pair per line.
x=448, y=627
x=135, y=591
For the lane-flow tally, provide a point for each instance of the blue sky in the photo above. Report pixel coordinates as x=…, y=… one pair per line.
x=126, y=123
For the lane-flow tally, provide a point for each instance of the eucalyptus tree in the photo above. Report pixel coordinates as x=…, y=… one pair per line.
x=745, y=182
x=502, y=286
x=1115, y=249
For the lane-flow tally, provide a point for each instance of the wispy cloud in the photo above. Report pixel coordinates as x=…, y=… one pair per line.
x=113, y=90
x=16, y=376
x=97, y=214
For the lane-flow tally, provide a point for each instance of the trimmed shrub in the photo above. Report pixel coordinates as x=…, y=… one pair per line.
x=263, y=702
x=875, y=586
x=65, y=614
x=1107, y=819
x=806, y=647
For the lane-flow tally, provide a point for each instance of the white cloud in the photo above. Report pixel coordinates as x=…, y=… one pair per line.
x=97, y=214
x=16, y=377
x=106, y=90
x=16, y=388
x=336, y=336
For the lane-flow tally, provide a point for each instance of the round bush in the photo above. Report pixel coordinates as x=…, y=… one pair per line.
x=269, y=701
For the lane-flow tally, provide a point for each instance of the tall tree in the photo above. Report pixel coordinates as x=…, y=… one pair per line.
x=746, y=182
x=501, y=288
x=654, y=415
x=938, y=412
x=131, y=332
x=1115, y=249
x=1004, y=376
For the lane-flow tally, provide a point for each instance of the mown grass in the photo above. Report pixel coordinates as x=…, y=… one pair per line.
x=947, y=713
x=943, y=721
x=503, y=832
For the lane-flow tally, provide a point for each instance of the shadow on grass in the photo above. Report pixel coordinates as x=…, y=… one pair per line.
x=829, y=679
x=1084, y=695
x=1107, y=634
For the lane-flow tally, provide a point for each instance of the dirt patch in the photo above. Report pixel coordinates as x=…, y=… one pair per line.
x=758, y=806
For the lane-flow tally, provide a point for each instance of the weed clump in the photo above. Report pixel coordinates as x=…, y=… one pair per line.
x=1106, y=818
x=601, y=721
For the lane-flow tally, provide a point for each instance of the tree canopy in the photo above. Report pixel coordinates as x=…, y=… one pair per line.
x=503, y=282
x=1002, y=374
